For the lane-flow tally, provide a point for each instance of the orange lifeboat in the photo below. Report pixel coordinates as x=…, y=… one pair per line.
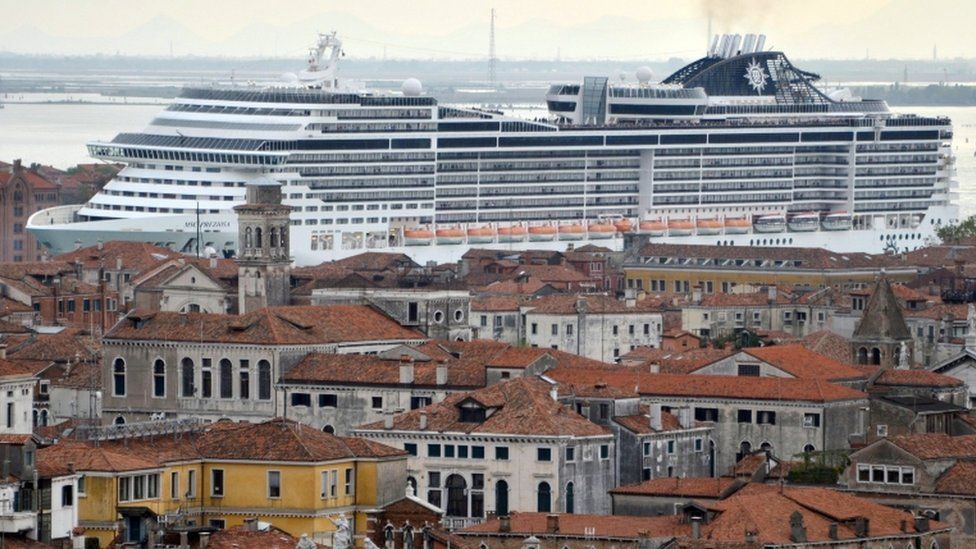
x=680, y=227
x=652, y=227
x=542, y=233
x=737, y=225
x=709, y=226
x=601, y=230
x=512, y=233
x=623, y=225
x=454, y=235
x=417, y=236
x=480, y=235
x=572, y=232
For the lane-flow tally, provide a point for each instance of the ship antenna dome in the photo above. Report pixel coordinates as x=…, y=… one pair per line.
x=644, y=74
x=411, y=87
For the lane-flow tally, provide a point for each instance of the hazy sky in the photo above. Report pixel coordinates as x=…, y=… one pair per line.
x=571, y=29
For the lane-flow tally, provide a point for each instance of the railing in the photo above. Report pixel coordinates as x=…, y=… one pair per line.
x=140, y=429
x=456, y=523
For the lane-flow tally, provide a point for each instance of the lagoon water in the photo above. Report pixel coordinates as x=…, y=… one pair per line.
x=56, y=133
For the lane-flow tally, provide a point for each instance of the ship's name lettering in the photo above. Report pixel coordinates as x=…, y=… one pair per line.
x=208, y=224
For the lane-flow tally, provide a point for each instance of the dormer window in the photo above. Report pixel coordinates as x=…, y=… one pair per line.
x=471, y=412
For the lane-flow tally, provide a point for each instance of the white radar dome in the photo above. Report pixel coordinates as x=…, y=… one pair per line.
x=644, y=74
x=411, y=87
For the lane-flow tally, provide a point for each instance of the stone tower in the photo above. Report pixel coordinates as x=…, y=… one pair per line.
x=882, y=336
x=263, y=261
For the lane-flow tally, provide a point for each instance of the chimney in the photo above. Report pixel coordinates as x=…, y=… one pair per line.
x=406, y=370
x=861, y=527
x=552, y=524
x=922, y=523
x=204, y=540
x=441, y=372
x=580, y=305
x=832, y=531
x=771, y=291
x=505, y=524
x=696, y=295
x=77, y=244
x=3, y=350
x=183, y=318
x=71, y=467
x=554, y=394
x=118, y=263
x=213, y=261
x=388, y=419
x=903, y=526
x=751, y=536
x=657, y=422
x=655, y=368
x=630, y=298
x=251, y=524
x=685, y=417
x=15, y=167
x=798, y=532
x=695, y=528
x=100, y=245
x=423, y=421
x=184, y=540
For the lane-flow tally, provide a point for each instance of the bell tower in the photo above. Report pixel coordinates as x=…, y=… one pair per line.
x=263, y=260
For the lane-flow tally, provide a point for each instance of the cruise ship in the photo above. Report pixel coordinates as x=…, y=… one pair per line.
x=739, y=147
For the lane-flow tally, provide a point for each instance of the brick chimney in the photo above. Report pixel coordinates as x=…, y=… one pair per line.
x=505, y=524
x=552, y=524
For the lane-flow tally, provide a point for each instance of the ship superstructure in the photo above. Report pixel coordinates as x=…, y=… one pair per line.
x=739, y=147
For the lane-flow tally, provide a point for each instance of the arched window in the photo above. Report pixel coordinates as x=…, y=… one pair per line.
x=187, y=374
x=119, y=420
x=862, y=355
x=544, y=498
x=264, y=380
x=876, y=356
x=118, y=377
x=328, y=429
x=457, y=497
x=570, y=499
x=766, y=446
x=412, y=483
x=745, y=448
x=226, y=379
x=44, y=417
x=257, y=238
x=159, y=378
x=273, y=236
x=36, y=416
x=501, y=498
x=809, y=449
x=248, y=238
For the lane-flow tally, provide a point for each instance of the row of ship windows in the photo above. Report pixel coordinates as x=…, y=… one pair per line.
x=187, y=182
x=169, y=196
x=117, y=207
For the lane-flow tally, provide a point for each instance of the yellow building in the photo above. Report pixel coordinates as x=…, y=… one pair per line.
x=679, y=268
x=297, y=478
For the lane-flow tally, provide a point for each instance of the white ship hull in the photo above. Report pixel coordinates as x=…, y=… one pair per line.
x=179, y=232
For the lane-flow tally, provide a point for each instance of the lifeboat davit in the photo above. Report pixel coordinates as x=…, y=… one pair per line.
x=773, y=223
x=623, y=225
x=418, y=236
x=737, y=225
x=512, y=233
x=572, y=231
x=652, y=227
x=709, y=226
x=480, y=235
x=601, y=230
x=542, y=233
x=453, y=235
x=680, y=227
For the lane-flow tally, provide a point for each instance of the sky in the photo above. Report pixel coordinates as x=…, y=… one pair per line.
x=459, y=29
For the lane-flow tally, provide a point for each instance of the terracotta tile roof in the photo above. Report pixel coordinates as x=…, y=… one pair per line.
x=803, y=363
x=54, y=460
x=829, y=344
x=552, y=274
x=285, y=440
x=10, y=369
x=239, y=537
x=691, y=386
x=766, y=510
x=927, y=446
x=591, y=303
x=377, y=261
x=288, y=325
x=522, y=406
x=135, y=256
x=940, y=256
x=515, y=287
x=591, y=526
x=688, y=487
x=14, y=438
x=9, y=306
x=68, y=344
x=959, y=479
x=500, y=303
x=676, y=362
x=81, y=375
x=807, y=258
x=910, y=378
x=641, y=423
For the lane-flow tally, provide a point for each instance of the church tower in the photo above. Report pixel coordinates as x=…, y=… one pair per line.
x=263, y=260
x=882, y=337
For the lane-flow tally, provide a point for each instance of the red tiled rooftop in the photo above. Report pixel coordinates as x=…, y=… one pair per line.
x=599, y=526
x=688, y=487
x=803, y=363
x=936, y=445
x=960, y=479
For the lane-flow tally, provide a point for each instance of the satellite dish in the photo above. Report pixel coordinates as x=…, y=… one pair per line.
x=411, y=87
x=644, y=74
